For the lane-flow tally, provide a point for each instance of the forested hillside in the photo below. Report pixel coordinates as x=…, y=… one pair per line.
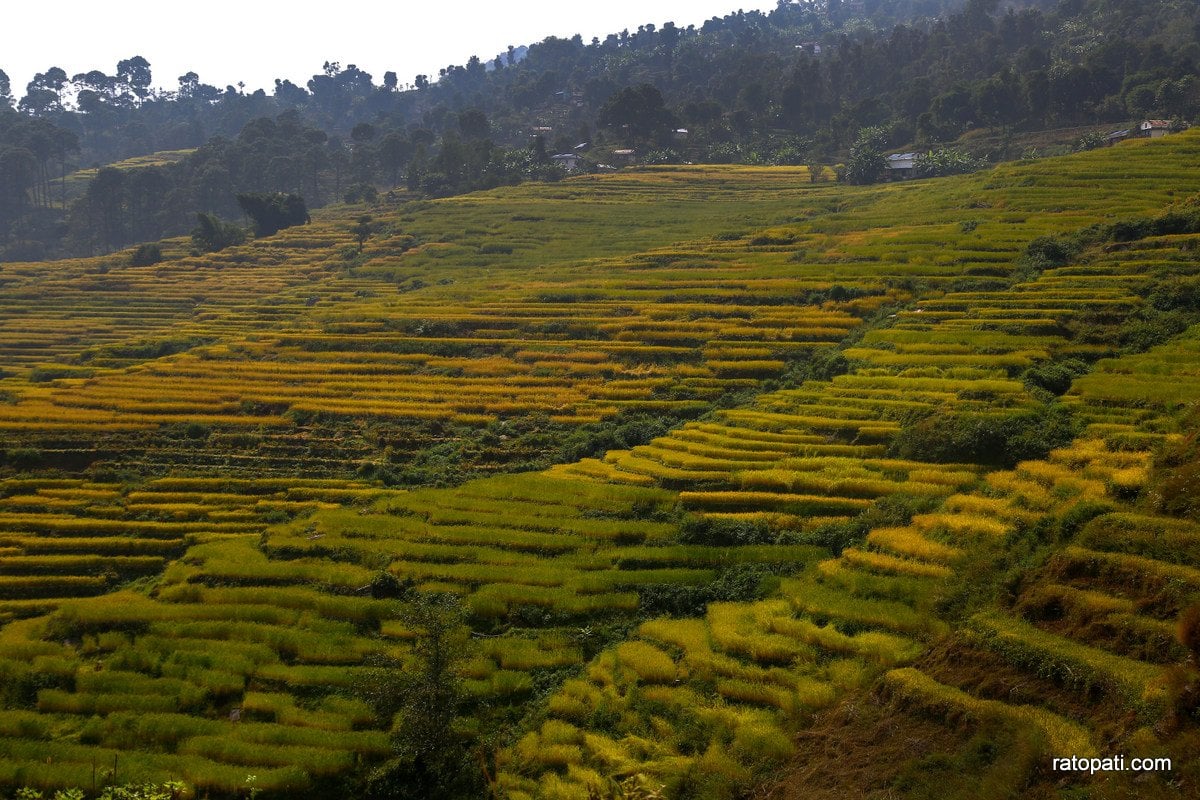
x=799, y=85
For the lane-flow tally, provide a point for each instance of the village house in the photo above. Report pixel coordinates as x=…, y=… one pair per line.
x=1154, y=128
x=571, y=162
x=901, y=165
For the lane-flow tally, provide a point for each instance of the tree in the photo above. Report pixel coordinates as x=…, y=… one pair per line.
x=105, y=200
x=95, y=90
x=135, y=74
x=212, y=234
x=431, y=760
x=272, y=212
x=6, y=98
x=866, y=162
x=18, y=175
x=43, y=94
x=362, y=133
x=394, y=152
x=474, y=124
x=638, y=109
x=363, y=228
x=146, y=255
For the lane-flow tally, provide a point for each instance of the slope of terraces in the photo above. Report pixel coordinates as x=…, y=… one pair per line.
x=667, y=617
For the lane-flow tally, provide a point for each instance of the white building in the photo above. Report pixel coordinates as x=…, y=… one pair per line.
x=1154, y=128
x=902, y=163
x=571, y=162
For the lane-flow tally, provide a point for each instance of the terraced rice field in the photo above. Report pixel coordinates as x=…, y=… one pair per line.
x=662, y=618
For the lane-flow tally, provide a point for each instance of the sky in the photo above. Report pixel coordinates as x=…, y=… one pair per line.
x=255, y=41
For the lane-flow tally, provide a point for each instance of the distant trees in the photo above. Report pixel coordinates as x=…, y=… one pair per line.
x=473, y=124
x=212, y=234
x=146, y=255
x=640, y=110
x=43, y=94
x=272, y=212
x=33, y=154
x=739, y=84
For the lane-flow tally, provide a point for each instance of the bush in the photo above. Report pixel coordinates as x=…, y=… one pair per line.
x=196, y=430
x=1046, y=252
x=1176, y=293
x=386, y=585
x=212, y=234
x=146, y=255
x=22, y=458
x=711, y=532
x=1089, y=141
x=1150, y=328
x=1189, y=631
x=272, y=213
x=1055, y=378
x=49, y=373
x=738, y=583
x=361, y=193
x=1001, y=442
x=946, y=162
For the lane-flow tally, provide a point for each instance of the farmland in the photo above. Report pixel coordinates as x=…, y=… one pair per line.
x=830, y=445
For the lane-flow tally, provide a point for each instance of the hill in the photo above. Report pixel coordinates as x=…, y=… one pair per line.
x=798, y=86
x=736, y=467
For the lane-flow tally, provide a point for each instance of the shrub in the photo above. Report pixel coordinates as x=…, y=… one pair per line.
x=146, y=255
x=737, y=583
x=1046, y=252
x=386, y=585
x=1056, y=377
x=272, y=213
x=1001, y=441
x=1176, y=293
x=1150, y=328
x=1176, y=476
x=703, y=530
x=361, y=193
x=212, y=234
x=946, y=162
x=1088, y=141
x=22, y=458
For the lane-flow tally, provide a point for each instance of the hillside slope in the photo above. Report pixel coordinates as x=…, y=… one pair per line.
x=865, y=522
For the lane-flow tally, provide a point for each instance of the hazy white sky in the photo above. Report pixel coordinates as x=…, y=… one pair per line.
x=253, y=41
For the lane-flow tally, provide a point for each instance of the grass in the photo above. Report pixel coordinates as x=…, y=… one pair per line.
x=1134, y=682
x=1062, y=735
